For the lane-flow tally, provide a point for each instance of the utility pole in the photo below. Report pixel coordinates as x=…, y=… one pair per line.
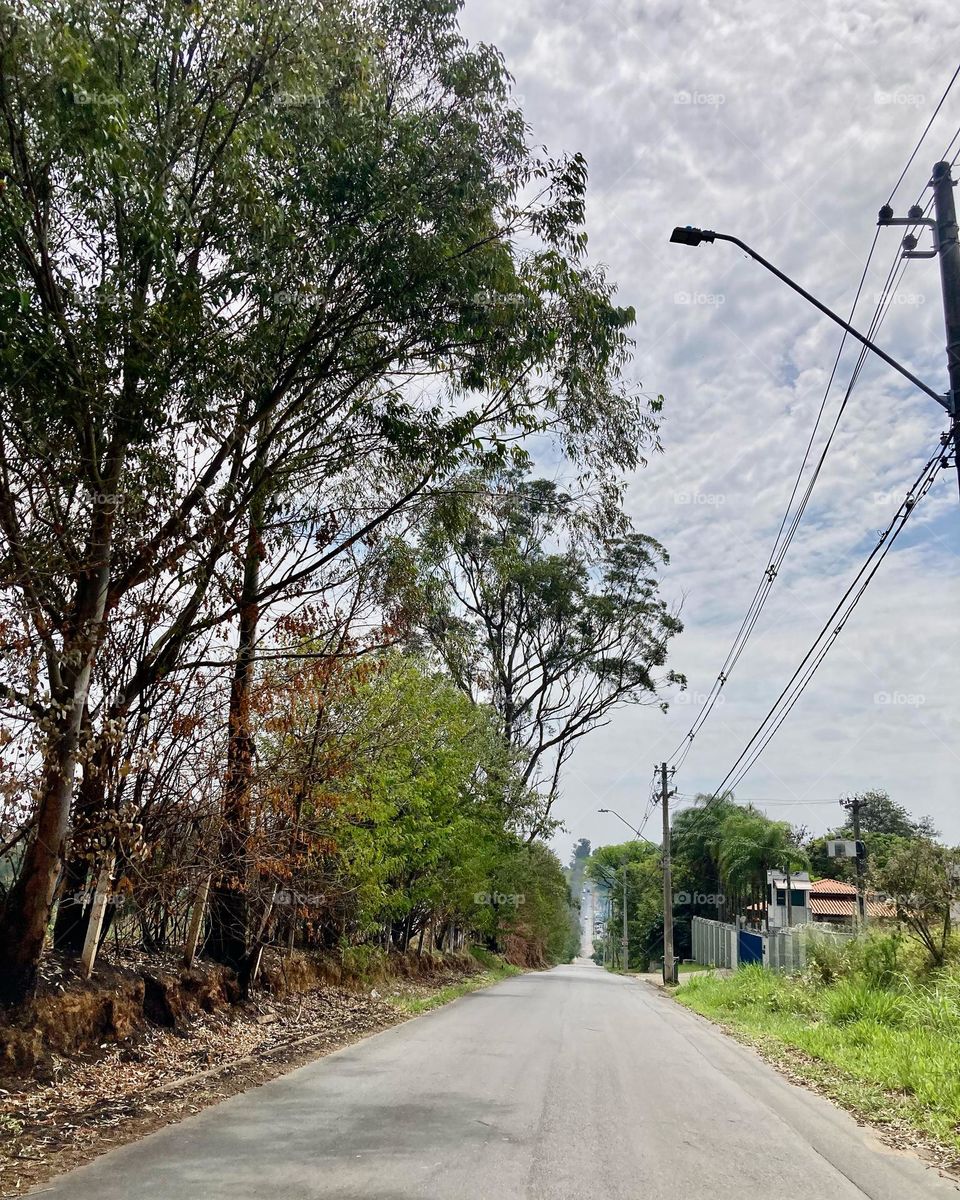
x=853, y=804
x=669, y=965
x=948, y=251
x=624, y=941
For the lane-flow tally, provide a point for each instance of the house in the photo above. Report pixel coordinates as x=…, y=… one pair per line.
x=834, y=902
x=798, y=908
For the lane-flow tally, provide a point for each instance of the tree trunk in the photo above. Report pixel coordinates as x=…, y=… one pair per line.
x=29, y=903
x=27, y=911
x=228, y=900
x=70, y=927
x=407, y=929
x=73, y=909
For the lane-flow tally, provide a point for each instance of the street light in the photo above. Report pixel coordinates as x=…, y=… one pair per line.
x=688, y=235
x=628, y=825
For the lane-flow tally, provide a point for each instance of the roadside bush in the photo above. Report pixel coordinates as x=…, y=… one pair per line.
x=856, y=1000
x=757, y=987
x=828, y=959
x=877, y=959
x=935, y=1006
x=365, y=963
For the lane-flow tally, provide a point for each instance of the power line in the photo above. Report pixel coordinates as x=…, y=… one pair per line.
x=779, y=552
x=651, y=804
x=924, y=134
x=797, y=683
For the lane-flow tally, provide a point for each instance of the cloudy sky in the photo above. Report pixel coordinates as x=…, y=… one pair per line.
x=787, y=125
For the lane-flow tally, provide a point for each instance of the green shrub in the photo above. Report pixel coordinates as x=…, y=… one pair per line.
x=855, y=1000
x=877, y=958
x=364, y=963
x=486, y=958
x=828, y=958
x=935, y=1005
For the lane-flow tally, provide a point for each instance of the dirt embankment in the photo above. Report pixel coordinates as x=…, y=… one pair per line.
x=88, y=1066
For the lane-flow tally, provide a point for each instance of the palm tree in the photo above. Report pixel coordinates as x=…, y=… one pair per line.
x=750, y=845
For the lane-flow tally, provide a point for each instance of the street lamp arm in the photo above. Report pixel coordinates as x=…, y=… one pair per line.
x=689, y=236
x=614, y=813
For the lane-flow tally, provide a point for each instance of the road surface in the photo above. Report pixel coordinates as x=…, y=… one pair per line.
x=550, y=1086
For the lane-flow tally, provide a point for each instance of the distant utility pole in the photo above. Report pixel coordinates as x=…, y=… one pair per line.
x=853, y=805
x=624, y=941
x=669, y=964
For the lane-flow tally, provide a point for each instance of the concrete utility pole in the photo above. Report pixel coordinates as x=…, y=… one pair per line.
x=669, y=964
x=853, y=804
x=624, y=940
x=948, y=251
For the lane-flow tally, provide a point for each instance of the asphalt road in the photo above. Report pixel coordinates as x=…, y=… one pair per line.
x=552, y=1086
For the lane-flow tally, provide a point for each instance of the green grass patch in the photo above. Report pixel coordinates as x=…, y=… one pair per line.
x=890, y=1053
x=494, y=970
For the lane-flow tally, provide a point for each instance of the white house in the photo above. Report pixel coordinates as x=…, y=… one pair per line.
x=799, y=907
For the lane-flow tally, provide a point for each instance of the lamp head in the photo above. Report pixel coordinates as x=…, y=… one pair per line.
x=687, y=235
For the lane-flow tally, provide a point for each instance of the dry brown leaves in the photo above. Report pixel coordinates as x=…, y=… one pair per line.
x=90, y=1106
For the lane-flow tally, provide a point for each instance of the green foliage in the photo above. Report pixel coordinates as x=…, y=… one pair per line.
x=750, y=844
x=828, y=958
x=855, y=1000
x=546, y=607
x=878, y=958
x=884, y=824
x=415, y=816
x=921, y=878
x=882, y=817
x=640, y=862
x=267, y=272
x=544, y=920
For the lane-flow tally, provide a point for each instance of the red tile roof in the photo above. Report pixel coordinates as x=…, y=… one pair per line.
x=828, y=906
x=835, y=887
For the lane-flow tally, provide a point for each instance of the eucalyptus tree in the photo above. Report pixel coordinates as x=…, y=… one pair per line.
x=549, y=609
x=246, y=253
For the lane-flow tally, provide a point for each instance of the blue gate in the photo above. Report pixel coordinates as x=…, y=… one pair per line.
x=749, y=948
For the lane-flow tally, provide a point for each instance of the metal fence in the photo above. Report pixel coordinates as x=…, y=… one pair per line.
x=715, y=944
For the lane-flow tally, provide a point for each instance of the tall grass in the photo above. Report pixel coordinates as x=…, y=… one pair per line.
x=873, y=1026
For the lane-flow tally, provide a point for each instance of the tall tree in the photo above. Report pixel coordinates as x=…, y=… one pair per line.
x=550, y=612
x=750, y=845
x=162, y=172
x=923, y=879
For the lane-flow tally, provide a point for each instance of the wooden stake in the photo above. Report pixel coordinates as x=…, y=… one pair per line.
x=196, y=923
x=98, y=908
